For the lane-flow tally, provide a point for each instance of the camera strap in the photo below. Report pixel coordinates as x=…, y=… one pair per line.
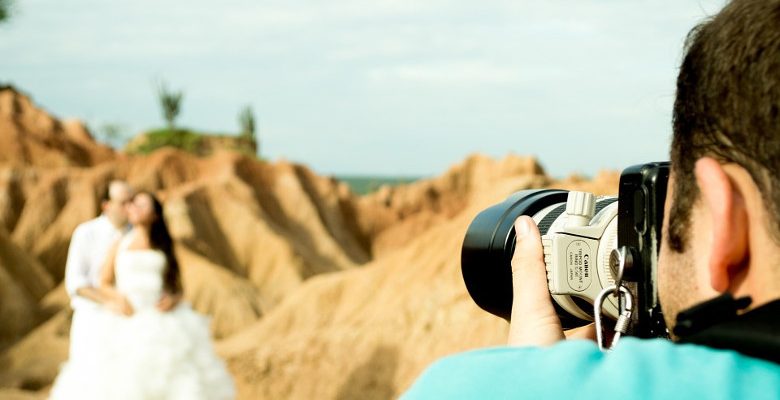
x=625, y=308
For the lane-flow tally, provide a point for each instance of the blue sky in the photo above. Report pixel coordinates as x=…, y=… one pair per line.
x=370, y=87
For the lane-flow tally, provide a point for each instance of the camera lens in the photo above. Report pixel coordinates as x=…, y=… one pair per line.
x=490, y=243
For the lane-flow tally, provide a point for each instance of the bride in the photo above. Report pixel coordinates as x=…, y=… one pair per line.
x=151, y=345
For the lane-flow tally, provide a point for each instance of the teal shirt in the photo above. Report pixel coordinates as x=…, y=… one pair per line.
x=636, y=369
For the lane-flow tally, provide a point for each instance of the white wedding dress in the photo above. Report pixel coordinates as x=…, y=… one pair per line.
x=150, y=355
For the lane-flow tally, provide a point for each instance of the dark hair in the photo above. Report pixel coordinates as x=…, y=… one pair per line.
x=728, y=106
x=160, y=239
x=105, y=195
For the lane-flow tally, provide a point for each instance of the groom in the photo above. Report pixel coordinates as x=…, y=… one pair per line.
x=87, y=254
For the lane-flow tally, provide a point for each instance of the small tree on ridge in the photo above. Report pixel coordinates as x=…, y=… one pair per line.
x=246, y=120
x=5, y=9
x=170, y=102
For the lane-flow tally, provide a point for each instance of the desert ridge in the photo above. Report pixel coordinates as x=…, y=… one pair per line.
x=31, y=136
x=313, y=292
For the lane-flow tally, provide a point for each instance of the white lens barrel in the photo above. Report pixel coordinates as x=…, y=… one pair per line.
x=577, y=247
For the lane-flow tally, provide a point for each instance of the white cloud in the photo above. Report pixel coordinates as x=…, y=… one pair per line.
x=464, y=72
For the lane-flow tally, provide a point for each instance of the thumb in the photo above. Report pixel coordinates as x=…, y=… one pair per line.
x=534, y=320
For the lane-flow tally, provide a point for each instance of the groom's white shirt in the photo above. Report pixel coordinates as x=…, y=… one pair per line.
x=87, y=254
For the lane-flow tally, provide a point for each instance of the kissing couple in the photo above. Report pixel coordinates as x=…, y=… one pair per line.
x=132, y=336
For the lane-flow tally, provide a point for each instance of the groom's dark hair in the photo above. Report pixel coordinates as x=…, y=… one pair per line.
x=106, y=194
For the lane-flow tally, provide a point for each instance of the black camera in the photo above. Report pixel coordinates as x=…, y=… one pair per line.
x=589, y=243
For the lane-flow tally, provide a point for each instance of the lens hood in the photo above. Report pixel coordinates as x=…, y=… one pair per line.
x=490, y=243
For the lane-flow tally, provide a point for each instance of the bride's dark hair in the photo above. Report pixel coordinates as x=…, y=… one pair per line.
x=160, y=239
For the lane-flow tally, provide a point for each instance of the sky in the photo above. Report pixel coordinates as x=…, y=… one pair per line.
x=359, y=87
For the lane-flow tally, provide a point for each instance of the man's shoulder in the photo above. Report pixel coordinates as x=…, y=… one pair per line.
x=87, y=227
x=637, y=369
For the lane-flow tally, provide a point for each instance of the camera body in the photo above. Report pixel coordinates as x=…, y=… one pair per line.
x=588, y=242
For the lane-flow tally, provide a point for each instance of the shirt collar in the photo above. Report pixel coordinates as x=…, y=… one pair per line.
x=717, y=323
x=103, y=220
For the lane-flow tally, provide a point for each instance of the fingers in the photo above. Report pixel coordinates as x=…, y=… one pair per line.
x=587, y=332
x=529, y=278
x=168, y=302
x=528, y=259
x=165, y=304
x=127, y=309
x=534, y=321
x=163, y=300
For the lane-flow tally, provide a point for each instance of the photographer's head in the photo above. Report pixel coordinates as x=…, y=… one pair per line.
x=722, y=225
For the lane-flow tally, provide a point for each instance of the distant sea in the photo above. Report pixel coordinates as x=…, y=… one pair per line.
x=367, y=184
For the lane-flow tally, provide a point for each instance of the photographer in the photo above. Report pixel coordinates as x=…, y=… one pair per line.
x=719, y=263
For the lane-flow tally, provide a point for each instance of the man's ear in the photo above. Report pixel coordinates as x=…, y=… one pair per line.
x=724, y=205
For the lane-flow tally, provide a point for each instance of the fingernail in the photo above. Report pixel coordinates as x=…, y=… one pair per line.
x=521, y=227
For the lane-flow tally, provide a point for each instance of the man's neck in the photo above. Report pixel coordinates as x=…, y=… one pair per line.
x=119, y=227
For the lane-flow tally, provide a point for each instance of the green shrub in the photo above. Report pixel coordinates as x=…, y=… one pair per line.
x=5, y=9
x=180, y=139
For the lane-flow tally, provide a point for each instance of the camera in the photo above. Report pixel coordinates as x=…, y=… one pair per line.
x=589, y=242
